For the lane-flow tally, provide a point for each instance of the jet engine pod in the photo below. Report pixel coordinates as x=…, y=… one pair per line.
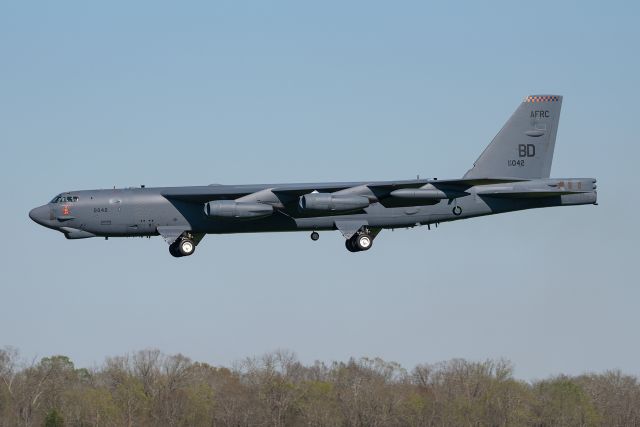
x=324, y=202
x=230, y=209
x=419, y=194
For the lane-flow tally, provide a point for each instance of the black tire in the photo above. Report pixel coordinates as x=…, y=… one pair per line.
x=173, y=250
x=457, y=210
x=186, y=247
x=362, y=242
x=315, y=236
x=349, y=245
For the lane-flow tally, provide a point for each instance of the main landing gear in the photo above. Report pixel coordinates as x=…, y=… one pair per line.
x=184, y=246
x=359, y=242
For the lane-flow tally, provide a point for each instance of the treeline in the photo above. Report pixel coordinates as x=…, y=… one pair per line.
x=149, y=388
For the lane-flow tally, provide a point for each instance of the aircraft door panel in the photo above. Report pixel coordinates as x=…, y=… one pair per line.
x=142, y=218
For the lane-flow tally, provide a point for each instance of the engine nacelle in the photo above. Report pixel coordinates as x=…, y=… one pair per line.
x=419, y=194
x=324, y=202
x=230, y=209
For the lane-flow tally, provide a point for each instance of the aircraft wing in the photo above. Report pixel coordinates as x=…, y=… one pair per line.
x=207, y=193
x=468, y=183
x=203, y=194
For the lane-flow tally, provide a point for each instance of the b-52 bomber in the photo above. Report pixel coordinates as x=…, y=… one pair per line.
x=511, y=174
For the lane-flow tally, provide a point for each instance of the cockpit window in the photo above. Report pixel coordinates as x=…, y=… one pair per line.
x=64, y=199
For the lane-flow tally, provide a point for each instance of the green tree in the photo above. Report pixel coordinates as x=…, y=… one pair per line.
x=562, y=402
x=54, y=419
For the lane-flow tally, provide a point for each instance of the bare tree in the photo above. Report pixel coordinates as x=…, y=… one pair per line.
x=8, y=368
x=149, y=388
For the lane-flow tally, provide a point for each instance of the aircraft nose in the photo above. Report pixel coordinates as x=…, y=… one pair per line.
x=39, y=214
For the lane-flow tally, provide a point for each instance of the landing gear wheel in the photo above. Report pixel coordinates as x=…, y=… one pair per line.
x=363, y=242
x=349, y=245
x=173, y=250
x=315, y=236
x=186, y=247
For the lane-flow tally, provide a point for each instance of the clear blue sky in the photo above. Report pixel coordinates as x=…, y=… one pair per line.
x=163, y=93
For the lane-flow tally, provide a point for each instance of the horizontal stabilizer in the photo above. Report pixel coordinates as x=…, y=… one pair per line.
x=542, y=188
x=526, y=194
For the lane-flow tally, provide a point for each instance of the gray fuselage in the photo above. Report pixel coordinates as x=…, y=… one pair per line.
x=140, y=211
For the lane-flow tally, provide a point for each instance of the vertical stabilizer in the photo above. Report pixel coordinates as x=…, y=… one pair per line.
x=524, y=146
